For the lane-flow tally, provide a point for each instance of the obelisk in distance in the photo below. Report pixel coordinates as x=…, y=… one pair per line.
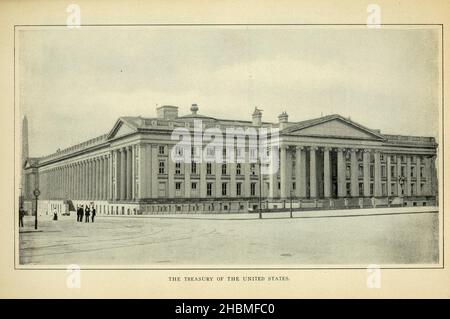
x=24, y=153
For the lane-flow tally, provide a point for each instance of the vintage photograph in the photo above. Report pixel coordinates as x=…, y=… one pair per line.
x=230, y=146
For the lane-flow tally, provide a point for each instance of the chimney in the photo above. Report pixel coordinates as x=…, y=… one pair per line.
x=167, y=112
x=256, y=117
x=283, y=120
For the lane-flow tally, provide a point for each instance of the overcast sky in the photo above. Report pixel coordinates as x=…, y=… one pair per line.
x=75, y=83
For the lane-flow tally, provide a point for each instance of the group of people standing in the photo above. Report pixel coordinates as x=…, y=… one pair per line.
x=87, y=211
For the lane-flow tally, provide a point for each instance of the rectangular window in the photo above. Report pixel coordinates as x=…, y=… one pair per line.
x=238, y=189
x=238, y=169
x=209, y=189
x=177, y=186
x=421, y=172
x=208, y=168
x=177, y=168
x=194, y=186
x=224, y=189
x=293, y=186
x=224, y=169
x=279, y=185
x=253, y=169
x=383, y=171
x=162, y=167
x=372, y=171
x=360, y=171
x=252, y=189
x=413, y=171
x=161, y=150
x=393, y=171
x=193, y=168
x=403, y=174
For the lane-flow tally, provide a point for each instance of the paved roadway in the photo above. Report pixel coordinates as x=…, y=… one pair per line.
x=201, y=240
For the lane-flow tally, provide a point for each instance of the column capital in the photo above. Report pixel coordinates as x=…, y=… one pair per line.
x=327, y=148
x=367, y=150
x=313, y=148
x=299, y=148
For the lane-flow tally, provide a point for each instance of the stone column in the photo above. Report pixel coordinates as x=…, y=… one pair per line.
x=95, y=183
x=111, y=175
x=354, y=173
x=123, y=174
x=342, y=192
x=377, y=184
x=88, y=179
x=154, y=170
x=388, y=175
x=302, y=171
x=246, y=170
x=298, y=178
x=79, y=185
x=170, y=173
x=80, y=176
x=129, y=179
x=95, y=180
x=273, y=172
x=418, y=180
x=326, y=173
x=232, y=173
x=106, y=178
x=116, y=168
x=203, y=178
x=408, y=175
x=312, y=172
x=187, y=178
x=399, y=170
x=366, y=172
x=283, y=173
x=134, y=172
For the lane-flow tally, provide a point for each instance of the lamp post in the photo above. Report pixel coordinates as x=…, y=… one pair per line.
x=36, y=194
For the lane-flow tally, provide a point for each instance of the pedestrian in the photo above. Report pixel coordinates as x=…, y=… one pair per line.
x=55, y=214
x=21, y=214
x=81, y=213
x=93, y=213
x=87, y=214
x=78, y=213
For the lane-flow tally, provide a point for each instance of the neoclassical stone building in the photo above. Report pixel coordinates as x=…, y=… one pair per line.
x=325, y=162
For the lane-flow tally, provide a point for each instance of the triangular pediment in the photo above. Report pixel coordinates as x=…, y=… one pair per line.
x=334, y=127
x=121, y=128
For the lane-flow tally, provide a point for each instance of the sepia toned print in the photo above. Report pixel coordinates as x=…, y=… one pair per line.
x=276, y=149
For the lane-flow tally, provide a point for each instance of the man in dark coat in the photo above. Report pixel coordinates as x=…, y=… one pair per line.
x=78, y=213
x=93, y=213
x=87, y=211
x=81, y=213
